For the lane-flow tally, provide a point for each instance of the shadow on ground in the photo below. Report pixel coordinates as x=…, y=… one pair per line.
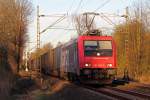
x=69, y=92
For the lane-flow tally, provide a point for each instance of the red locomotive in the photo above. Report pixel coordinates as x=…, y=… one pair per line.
x=87, y=58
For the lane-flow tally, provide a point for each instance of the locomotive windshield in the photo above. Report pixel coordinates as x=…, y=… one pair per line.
x=98, y=48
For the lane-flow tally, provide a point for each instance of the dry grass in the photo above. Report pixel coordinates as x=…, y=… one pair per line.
x=55, y=86
x=58, y=86
x=130, y=86
x=144, y=79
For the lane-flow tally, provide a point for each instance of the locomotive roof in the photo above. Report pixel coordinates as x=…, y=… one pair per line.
x=95, y=37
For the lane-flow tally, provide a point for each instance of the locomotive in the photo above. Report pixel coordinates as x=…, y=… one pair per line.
x=88, y=58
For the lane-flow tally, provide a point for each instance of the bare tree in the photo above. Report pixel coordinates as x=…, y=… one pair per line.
x=83, y=23
x=142, y=13
x=14, y=19
x=138, y=43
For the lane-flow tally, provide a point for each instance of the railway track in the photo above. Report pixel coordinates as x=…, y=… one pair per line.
x=137, y=94
x=144, y=86
x=118, y=94
x=104, y=92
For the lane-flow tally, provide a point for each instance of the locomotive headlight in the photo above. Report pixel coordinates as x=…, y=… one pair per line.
x=98, y=54
x=109, y=65
x=86, y=65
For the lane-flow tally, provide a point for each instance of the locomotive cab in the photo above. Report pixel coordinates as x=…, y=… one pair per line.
x=97, y=58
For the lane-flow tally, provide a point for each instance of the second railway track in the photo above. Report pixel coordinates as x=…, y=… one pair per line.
x=137, y=94
x=118, y=94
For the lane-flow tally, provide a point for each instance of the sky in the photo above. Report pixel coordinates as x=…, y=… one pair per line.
x=72, y=7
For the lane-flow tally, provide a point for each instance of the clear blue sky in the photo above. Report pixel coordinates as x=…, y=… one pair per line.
x=63, y=6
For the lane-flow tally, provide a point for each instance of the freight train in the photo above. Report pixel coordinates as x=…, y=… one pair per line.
x=89, y=58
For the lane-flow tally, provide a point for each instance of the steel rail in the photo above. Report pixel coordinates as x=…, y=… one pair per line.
x=109, y=94
x=131, y=92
